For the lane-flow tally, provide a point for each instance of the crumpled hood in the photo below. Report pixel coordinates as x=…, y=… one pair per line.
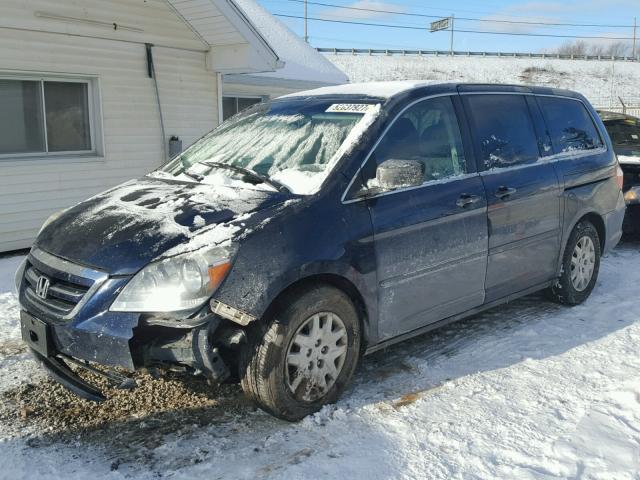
x=123, y=229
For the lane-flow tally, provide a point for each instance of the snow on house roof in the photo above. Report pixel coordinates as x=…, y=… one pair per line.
x=371, y=89
x=301, y=61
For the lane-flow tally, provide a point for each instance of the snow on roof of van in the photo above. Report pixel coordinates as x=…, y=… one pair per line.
x=372, y=89
x=301, y=61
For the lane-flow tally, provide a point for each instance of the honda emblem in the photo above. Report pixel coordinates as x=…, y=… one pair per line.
x=42, y=287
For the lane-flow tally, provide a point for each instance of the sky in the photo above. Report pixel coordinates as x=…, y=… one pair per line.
x=326, y=34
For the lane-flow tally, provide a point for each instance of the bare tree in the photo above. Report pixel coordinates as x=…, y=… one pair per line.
x=599, y=49
x=619, y=49
x=580, y=47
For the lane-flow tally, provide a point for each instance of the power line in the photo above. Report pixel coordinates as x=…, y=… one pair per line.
x=471, y=19
x=407, y=27
x=543, y=28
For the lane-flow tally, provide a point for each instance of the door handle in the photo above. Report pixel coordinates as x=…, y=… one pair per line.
x=504, y=192
x=466, y=200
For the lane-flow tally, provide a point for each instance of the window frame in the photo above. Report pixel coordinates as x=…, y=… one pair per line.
x=348, y=197
x=262, y=98
x=94, y=113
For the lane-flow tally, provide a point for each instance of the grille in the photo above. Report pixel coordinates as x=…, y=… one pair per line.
x=70, y=285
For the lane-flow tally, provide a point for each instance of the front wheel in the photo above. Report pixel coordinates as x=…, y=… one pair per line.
x=306, y=356
x=580, y=266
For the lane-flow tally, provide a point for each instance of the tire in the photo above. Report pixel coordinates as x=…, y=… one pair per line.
x=573, y=291
x=270, y=365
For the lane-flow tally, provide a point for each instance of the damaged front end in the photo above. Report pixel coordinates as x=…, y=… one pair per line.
x=68, y=323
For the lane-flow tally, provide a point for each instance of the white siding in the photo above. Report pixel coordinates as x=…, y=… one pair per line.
x=32, y=189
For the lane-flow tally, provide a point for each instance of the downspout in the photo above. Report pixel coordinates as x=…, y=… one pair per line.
x=219, y=88
x=151, y=71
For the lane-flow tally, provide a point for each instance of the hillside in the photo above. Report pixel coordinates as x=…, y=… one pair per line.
x=600, y=81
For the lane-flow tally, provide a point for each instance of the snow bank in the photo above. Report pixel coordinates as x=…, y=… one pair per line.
x=624, y=159
x=601, y=82
x=9, y=311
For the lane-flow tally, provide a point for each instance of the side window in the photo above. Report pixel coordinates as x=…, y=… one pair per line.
x=570, y=125
x=427, y=132
x=503, y=127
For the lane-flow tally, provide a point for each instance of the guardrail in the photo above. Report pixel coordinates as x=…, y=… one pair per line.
x=455, y=53
x=633, y=110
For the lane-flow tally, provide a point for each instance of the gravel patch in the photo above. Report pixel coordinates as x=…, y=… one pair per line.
x=130, y=424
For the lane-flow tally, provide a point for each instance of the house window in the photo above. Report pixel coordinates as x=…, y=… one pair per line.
x=233, y=105
x=45, y=116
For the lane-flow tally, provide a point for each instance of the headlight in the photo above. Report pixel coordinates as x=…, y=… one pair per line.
x=183, y=282
x=632, y=196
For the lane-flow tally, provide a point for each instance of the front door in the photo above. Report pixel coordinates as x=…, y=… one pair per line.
x=431, y=240
x=522, y=190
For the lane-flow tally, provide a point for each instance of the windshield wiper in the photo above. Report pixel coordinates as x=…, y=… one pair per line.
x=196, y=176
x=249, y=173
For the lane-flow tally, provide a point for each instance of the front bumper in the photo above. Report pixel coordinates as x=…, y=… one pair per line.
x=184, y=348
x=61, y=373
x=84, y=333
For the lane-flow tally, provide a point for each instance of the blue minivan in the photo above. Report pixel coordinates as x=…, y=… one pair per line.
x=307, y=231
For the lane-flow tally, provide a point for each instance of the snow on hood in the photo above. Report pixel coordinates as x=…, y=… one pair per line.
x=124, y=228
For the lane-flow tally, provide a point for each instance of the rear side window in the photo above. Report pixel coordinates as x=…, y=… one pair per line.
x=570, y=125
x=503, y=128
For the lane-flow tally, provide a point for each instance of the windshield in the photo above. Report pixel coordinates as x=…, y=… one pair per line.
x=292, y=144
x=625, y=136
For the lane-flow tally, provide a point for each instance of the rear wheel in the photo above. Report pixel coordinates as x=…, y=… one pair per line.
x=306, y=356
x=580, y=266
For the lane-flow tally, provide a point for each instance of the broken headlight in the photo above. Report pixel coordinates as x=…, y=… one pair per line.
x=183, y=282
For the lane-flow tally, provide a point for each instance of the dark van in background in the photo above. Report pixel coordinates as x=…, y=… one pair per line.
x=624, y=131
x=307, y=231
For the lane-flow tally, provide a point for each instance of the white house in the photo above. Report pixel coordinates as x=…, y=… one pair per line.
x=304, y=68
x=91, y=91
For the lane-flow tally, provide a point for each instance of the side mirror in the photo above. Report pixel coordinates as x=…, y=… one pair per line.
x=393, y=174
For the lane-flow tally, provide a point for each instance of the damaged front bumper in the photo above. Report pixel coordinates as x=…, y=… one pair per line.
x=191, y=350
x=72, y=326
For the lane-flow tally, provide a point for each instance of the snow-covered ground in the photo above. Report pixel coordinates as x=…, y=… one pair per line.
x=528, y=390
x=600, y=81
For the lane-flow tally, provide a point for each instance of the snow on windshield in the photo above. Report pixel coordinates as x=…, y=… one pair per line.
x=293, y=145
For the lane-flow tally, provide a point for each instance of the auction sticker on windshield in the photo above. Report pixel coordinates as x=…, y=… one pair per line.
x=351, y=107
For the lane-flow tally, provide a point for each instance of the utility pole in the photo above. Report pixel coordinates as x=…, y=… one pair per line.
x=451, y=46
x=306, y=35
x=635, y=28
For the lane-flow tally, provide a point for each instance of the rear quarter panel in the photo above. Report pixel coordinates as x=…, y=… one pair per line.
x=590, y=187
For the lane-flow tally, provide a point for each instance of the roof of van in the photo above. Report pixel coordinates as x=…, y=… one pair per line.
x=392, y=88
